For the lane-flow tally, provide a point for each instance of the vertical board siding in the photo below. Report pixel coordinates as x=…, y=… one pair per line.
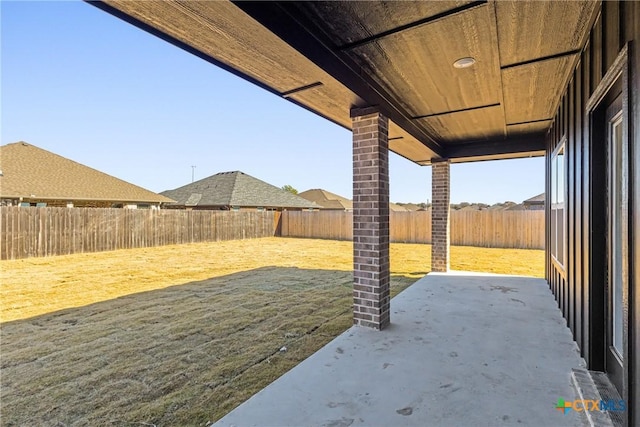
x=611, y=33
x=39, y=232
x=571, y=285
x=586, y=197
x=630, y=22
x=632, y=27
x=571, y=174
x=578, y=276
x=495, y=229
x=596, y=55
x=579, y=288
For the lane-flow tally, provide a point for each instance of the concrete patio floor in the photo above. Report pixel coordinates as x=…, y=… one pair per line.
x=463, y=349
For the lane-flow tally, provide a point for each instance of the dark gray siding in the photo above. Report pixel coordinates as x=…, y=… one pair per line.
x=578, y=287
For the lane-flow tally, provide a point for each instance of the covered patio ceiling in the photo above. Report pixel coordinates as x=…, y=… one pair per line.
x=331, y=56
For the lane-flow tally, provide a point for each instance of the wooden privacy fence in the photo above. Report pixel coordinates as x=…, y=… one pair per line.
x=36, y=232
x=493, y=229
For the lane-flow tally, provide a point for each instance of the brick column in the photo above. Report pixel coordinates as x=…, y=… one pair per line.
x=440, y=215
x=370, y=218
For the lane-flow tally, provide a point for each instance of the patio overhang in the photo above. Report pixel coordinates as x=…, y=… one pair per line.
x=330, y=57
x=457, y=81
x=435, y=82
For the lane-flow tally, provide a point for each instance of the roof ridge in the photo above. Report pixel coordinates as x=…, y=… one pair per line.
x=227, y=173
x=234, y=186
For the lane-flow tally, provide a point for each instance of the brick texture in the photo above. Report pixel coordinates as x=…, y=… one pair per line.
x=440, y=215
x=370, y=218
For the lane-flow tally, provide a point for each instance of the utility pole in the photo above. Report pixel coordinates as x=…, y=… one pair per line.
x=193, y=173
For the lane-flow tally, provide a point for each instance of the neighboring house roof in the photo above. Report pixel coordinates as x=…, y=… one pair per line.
x=235, y=189
x=31, y=172
x=508, y=205
x=469, y=208
x=329, y=200
x=411, y=207
x=535, y=200
x=518, y=207
x=397, y=208
x=326, y=199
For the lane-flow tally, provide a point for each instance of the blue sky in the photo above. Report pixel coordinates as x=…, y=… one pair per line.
x=85, y=85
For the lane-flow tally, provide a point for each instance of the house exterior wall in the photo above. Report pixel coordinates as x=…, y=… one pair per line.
x=63, y=203
x=533, y=206
x=578, y=284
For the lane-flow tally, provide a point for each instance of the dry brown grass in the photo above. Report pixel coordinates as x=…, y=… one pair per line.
x=180, y=335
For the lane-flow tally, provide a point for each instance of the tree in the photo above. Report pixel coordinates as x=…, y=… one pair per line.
x=290, y=189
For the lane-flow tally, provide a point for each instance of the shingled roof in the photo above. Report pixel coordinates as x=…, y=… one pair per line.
x=535, y=200
x=31, y=172
x=393, y=207
x=327, y=199
x=235, y=189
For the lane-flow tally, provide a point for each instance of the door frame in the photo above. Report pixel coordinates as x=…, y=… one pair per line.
x=615, y=81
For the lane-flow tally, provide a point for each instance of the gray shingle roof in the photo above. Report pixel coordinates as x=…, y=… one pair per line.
x=235, y=189
x=28, y=170
x=535, y=200
x=329, y=200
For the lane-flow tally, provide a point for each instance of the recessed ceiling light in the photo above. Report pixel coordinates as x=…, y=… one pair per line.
x=464, y=62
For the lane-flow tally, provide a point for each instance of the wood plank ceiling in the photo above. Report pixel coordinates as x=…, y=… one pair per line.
x=330, y=56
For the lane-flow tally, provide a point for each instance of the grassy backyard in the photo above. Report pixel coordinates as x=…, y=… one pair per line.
x=180, y=335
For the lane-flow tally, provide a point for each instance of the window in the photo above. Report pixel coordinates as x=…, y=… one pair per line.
x=617, y=233
x=558, y=192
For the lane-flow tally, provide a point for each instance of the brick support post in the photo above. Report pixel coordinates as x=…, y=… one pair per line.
x=440, y=215
x=370, y=218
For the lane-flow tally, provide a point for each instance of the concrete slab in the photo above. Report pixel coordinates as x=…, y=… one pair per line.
x=463, y=349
